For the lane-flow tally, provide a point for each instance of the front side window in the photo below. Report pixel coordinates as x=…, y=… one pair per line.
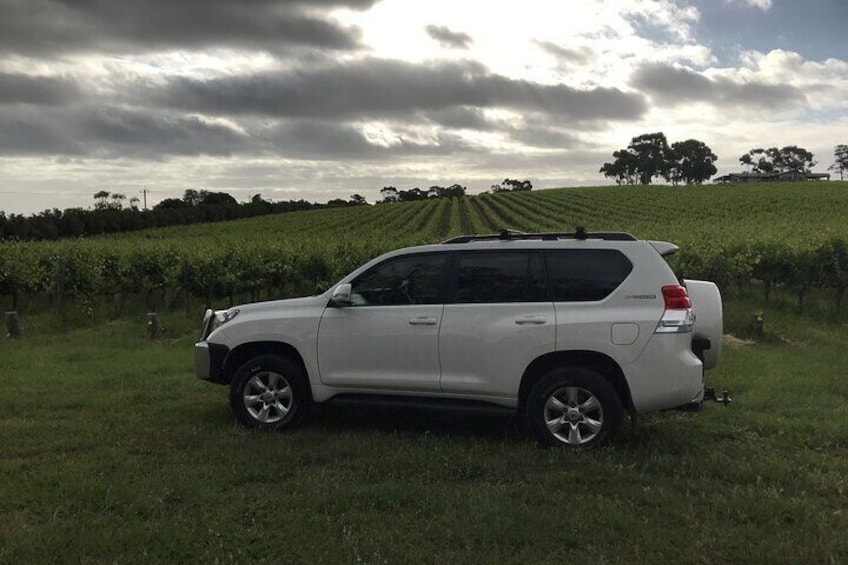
x=501, y=277
x=585, y=275
x=414, y=279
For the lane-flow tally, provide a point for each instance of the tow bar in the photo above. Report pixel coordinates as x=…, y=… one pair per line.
x=710, y=395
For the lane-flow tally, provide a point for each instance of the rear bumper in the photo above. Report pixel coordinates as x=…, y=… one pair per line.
x=209, y=362
x=668, y=374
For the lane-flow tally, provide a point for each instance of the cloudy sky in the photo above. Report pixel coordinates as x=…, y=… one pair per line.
x=321, y=99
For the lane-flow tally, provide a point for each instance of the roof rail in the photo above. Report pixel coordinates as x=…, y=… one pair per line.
x=579, y=233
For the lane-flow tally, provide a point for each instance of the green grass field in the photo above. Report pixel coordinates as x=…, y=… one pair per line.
x=112, y=452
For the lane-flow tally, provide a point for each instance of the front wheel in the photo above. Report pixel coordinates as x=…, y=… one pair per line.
x=573, y=407
x=269, y=392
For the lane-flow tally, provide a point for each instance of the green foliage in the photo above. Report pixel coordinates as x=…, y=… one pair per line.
x=840, y=160
x=650, y=156
x=779, y=160
x=730, y=234
x=693, y=162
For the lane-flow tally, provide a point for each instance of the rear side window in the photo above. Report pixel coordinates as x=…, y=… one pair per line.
x=501, y=277
x=585, y=275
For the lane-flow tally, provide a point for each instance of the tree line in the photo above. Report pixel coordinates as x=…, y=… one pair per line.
x=393, y=194
x=114, y=213
x=649, y=156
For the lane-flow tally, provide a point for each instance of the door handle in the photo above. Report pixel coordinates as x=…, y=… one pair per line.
x=535, y=320
x=423, y=321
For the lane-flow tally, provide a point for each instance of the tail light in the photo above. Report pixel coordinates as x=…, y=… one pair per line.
x=676, y=297
x=678, y=316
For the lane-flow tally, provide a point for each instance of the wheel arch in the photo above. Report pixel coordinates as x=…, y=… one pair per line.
x=246, y=351
x=598, y=362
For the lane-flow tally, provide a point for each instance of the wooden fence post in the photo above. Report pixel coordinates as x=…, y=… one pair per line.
x=154, y=330
x=13, y=327
x=758, y=325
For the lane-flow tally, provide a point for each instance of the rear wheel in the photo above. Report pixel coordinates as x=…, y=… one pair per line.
x=269, y=392
x=573, y=407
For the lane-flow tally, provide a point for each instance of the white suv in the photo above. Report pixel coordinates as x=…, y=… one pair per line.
x=571, y=329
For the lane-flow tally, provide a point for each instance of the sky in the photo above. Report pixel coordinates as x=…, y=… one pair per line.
x=322, y=99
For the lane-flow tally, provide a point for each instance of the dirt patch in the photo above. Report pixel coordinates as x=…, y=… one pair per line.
x=731, y=340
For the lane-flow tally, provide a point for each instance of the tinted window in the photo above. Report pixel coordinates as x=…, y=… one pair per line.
x=414, y=279
x=501, y=277
x=581, y=275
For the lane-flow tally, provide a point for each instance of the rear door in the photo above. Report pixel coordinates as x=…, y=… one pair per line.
x=597, y=308
x=500, y=319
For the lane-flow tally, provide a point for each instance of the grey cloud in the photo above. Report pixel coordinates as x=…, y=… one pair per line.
x=460, y=117
x=20, y=137
x=25, y=89
x=448, y=38
x=116, y=132
x=672, y=86
x=545, y=137
x=112, y=133
x=375, y=88
x=143, y=134
x=62, y=26
x=314, y=139
x=566, y=55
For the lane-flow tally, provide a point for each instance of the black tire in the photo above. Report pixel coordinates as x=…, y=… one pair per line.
x=269, y=392
x=573, y=407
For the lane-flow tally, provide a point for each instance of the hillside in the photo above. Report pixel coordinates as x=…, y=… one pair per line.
x=790, y=234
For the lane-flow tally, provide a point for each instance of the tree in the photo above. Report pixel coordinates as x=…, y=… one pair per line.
x=171, y=204
x=624, y=169
x=783, y=160
x=101, y=200
x=653, y=156
x=454, y=190
x=840, y=162
x=208, y=198
x=693, y=162
x=389, y=194
x=518, y=185
x=117, y=201
x=192, y=197
x=647, y=156
x=412, y=194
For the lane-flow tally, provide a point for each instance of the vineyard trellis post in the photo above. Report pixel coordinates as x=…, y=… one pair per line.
x=13, y=327
x=154, y=329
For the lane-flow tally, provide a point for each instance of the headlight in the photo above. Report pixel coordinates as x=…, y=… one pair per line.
x=214, y=320
x=222, y=317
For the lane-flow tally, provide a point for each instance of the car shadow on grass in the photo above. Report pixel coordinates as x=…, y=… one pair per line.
x=420, y=422
x=426, y=422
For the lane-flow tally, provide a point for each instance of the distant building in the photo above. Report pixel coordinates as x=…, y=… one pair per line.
x=770, y=177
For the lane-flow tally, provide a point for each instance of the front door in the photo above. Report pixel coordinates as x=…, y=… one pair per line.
x=388, y=339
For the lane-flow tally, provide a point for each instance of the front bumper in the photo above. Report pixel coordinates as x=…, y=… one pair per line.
x=209, y=362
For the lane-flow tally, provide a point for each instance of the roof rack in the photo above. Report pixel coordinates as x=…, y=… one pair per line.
x=579, y=233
